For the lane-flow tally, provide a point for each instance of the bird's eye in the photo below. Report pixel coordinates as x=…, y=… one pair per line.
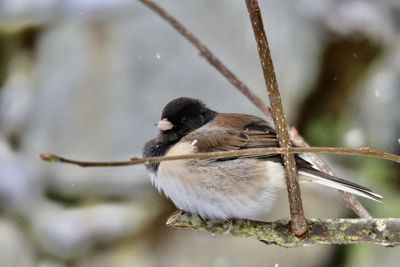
x=184, y=120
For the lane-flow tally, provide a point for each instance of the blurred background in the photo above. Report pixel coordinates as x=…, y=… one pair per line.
x=88, y=79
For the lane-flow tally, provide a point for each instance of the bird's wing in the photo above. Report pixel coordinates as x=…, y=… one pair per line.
x=233, y=132
x=252, y=132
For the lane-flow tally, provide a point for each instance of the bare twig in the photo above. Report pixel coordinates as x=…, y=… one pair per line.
x=353, y=203
x=350, y=199
x=299, y=225
x=384, y=232
x=208, y=55
x=364, y=151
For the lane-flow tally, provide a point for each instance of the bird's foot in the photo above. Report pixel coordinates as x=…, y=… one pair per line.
x=229, y=222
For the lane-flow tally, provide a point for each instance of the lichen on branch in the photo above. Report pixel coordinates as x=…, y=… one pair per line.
x=385, y=232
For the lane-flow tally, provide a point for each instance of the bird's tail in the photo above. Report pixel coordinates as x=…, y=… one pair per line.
x=318, y=177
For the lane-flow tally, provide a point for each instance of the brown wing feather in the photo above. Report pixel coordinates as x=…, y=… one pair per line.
x=216, y=139
x=233, y=132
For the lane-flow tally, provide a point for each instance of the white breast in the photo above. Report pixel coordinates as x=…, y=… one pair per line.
x=221, y=190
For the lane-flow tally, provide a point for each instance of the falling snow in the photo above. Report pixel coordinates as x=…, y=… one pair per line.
x=158, y=55
x=377, y=94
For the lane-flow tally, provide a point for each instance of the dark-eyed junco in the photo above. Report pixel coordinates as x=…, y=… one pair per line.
x=236, y=187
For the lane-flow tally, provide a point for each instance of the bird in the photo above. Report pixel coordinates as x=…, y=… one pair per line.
x=242, y=187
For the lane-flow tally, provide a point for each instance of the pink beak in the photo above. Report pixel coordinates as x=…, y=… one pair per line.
x=164, y=125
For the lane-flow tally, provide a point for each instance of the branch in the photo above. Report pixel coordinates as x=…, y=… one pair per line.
x=350, y=200
x=385, y=232
x=363, y=151
x=299, y=225
x=208, y=55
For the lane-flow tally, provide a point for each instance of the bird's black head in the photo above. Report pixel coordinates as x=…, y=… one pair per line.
x=179, y=117
x=183, y=115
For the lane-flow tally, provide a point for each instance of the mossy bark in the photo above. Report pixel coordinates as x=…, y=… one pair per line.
x=385, y=231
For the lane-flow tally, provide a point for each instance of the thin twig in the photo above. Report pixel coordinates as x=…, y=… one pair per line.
x=350, y=200
x=208, y=55
x=384, y=232
x=364, y=151
x=299, y=224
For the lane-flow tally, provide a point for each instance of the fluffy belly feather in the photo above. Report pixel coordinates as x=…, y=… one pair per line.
x=241, y=188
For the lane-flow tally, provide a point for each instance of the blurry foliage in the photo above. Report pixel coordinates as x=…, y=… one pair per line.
x=11, y=41
x=323, y=117
x=7, y=48
x=18, y=40
x=321, y=132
